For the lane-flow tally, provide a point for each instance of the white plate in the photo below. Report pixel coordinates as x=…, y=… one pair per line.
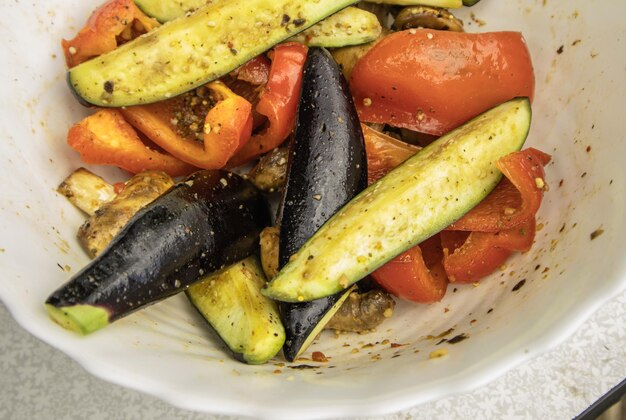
x=165, y=350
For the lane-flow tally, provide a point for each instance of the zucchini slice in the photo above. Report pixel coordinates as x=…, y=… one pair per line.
x=232, y=304
x=193, y=50
x=419, y=198
x=350, y=26
x=166, y=10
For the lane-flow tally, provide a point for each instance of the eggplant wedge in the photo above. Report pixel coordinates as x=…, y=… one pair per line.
x=327, y=167
x=201, y=225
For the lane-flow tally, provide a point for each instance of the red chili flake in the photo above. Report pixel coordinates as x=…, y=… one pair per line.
x=118, y=187
x=395, y=345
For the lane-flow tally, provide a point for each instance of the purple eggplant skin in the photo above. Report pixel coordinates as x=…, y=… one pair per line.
x=327, y=168
x=205, y=223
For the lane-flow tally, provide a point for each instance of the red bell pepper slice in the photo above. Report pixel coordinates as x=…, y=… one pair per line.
x=483, y=252
x=433, y=81
x=227, y=127
x=255, y=71
x=515, y=200
x=508, y=214
x=112, y=24
x=278, y=102
x=105, y=138
x=417, y=274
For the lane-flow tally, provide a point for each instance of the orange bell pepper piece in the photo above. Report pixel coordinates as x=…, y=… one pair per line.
x=112, y=24
x=227, y=127
x=105, y=138
x=384, y=153
x=278, y=102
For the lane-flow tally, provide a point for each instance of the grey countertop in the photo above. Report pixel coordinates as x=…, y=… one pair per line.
x=37, y=381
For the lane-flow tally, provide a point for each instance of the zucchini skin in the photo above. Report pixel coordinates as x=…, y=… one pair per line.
x=419, y=198
x=350, y=26
x=232, y=304
x=327, y=168
x=193, y=50
x=201, y=225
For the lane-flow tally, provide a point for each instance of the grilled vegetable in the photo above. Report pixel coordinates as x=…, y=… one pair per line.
x=303, y=322
x=362, y=311
x=349, y=26
x=110, y=25
x=232, y=304
x=279, y=102
x=270, y=238
x=400, y=84
x=165, y=11
x=270, y=173
x=86, y=190
x=193, y=50
x=427, y=17
x=206, y=223
x=419, y=198
x=327, y=167
x=106, y=138
x=470, y=2
x=347, y=57
x=97, y=231
x=203, y=128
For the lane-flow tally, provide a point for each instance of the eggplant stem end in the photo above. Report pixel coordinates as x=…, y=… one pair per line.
x=82, y=319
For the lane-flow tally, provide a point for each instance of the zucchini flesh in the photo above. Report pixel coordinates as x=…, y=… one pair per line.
x=232, y=303
x=193, y=50
x=166, y=10
x=419, y=198
x=350, y=26
x=447, y=4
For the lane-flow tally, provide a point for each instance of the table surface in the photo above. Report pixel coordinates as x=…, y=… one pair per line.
x=37, y=381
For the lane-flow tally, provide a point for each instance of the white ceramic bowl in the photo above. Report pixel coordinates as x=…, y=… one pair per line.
x=165, y=350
